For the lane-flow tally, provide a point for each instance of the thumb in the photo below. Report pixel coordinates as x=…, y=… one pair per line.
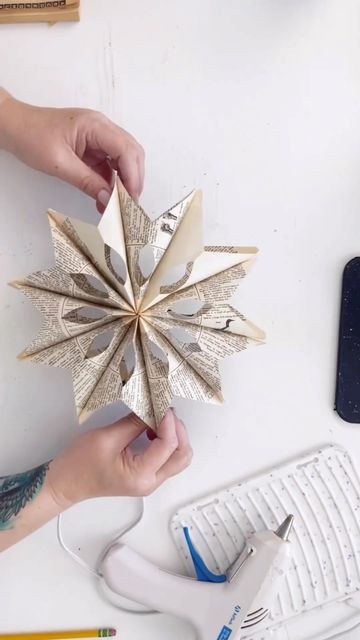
x=76, y=172
x=127, y=429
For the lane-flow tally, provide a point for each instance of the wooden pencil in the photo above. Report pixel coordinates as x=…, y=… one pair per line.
x=60, y=635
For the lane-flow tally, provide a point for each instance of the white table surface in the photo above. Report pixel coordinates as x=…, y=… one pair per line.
x=258, y=103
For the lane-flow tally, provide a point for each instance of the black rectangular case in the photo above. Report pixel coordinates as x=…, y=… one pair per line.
x=347, y=396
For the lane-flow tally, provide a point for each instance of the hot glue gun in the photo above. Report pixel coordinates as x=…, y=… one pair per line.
x=218, y=606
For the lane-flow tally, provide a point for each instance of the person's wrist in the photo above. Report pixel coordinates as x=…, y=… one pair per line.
x=58, y=485
x=11, y=120
x=3, y=94
x=5, y=100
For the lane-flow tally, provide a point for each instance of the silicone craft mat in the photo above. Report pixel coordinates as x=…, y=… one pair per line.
x=322, y=490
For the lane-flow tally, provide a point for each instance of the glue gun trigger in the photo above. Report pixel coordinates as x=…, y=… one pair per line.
x=203, y=574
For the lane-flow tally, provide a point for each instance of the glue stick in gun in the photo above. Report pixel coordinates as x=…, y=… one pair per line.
x=218, y=607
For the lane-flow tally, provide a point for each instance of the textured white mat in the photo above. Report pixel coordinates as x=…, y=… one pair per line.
x=322, y=490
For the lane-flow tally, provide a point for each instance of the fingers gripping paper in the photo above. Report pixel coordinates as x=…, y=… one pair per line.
x=129, y=331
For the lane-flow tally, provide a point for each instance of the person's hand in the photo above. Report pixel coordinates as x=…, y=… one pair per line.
x=101, y=463
x=80, y=146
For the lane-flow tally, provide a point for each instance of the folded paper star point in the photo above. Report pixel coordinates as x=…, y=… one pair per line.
x=138, y=309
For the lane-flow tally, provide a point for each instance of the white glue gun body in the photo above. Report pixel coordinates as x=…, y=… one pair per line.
x=219, y=611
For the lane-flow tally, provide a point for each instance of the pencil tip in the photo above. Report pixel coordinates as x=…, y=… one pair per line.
x=112, y=632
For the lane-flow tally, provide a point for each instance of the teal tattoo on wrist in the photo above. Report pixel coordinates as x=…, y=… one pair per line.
x=17, y=490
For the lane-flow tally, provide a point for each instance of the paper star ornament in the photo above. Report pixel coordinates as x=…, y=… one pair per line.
x=133, y=331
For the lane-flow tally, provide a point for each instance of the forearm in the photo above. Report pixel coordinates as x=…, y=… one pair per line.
x=27, y=502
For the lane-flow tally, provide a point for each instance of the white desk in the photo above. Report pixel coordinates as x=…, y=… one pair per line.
x=256, y=102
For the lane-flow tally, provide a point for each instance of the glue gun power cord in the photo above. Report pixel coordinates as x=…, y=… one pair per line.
x=95, y=571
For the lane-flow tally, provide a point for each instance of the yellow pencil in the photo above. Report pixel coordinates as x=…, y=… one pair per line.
x=59, y=635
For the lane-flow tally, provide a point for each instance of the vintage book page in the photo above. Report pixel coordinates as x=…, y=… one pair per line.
x=136, y=332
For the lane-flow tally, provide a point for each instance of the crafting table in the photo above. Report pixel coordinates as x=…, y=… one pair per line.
x=257, y=103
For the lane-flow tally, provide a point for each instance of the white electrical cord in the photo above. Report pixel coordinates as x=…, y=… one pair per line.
x=95, y=571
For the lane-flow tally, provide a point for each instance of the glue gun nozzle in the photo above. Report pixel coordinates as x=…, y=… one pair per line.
x=284, y=529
